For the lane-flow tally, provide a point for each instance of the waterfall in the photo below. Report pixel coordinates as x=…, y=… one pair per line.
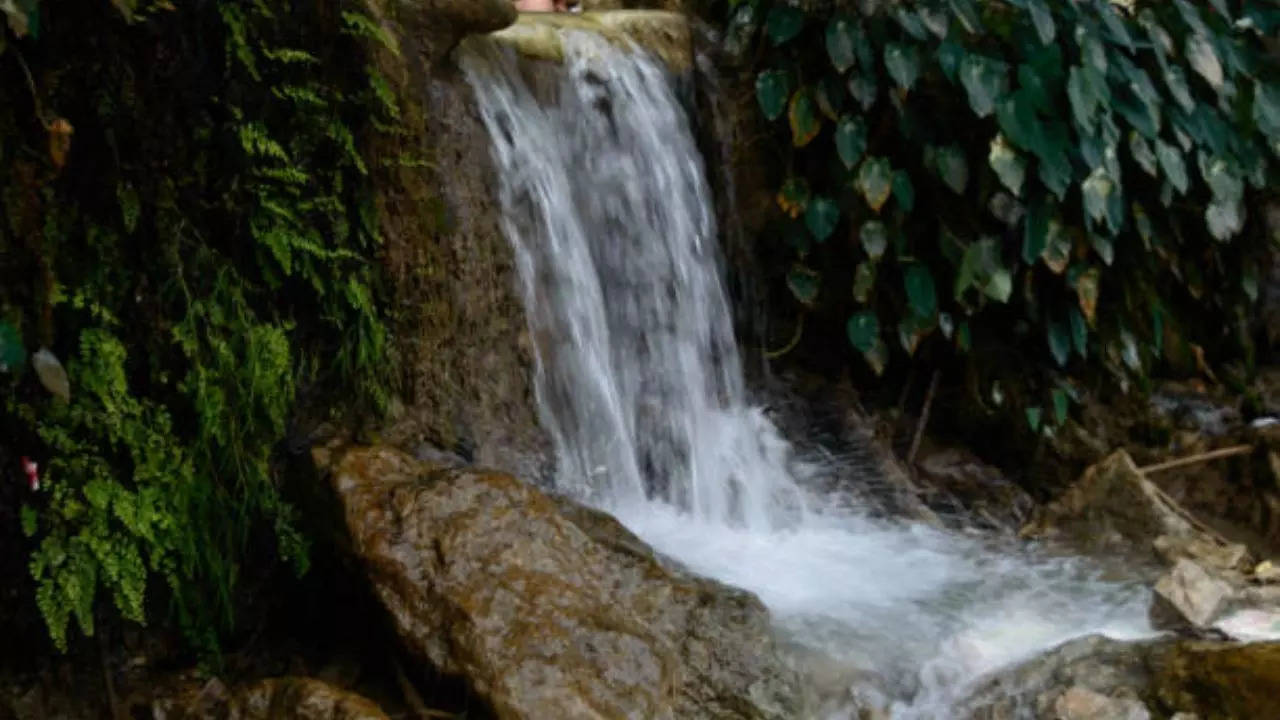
x=639, y=384
x=639, y=380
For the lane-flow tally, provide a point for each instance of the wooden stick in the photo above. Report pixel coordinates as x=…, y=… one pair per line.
x=924, y=420
x=1198, y=458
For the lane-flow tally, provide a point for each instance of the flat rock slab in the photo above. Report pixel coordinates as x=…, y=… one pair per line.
x=548, y=615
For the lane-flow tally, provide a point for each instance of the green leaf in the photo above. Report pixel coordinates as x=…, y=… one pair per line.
x=804, y=283
x=839, y=37
x=1266, y=108
x=862, y=86
x=903, y=191
x=1057, y=248
x=1249, y=281
x=963, y=339
x=949, y=55
x=830, y=95
x=1033, y=418
x=921, y=295
x=1061, y=404
x=1143, y=155
x=1178, y=87
x=773, y=87
x=1059, y=342
x=821, y=217
x=1171, y=162
x=952, y=168
x=30, y=521
x=863, y=330
x=985, y=80
x=793, y=197
x=875, y=178
x=967, y=14
x=1009, y=167
x=1225, y=219
x=783, y=23
x=999, y=286
x=1225, y=185
x=1096, y=189
x=1016, y=116
x=875, y=239
x=1035, y=233
x=13, y=355
x=1104, y=247
x=910, y=22
x=803, y=117
x=864, y=279
x=851, y=140
x=1042, y=18
x=1204, y=60
x=1086, y=91
x=1079, y=333
x=903, y=64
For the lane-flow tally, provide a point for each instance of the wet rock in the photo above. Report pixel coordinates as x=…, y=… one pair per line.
x=1219, y=681
x=1113, y=506
x=1080, y=703
x=958, y=484
x=665, y=35
x=1188, y=595
x=1231, y=557
x=486, y=578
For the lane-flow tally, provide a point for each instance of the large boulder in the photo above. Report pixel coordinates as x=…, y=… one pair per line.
x=1097, y=677
x=1114, y=507
x=550, y=613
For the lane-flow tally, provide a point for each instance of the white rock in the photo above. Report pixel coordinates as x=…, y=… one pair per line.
x=1195, y=594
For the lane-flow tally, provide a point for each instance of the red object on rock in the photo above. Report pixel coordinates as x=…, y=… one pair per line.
x=32, y=470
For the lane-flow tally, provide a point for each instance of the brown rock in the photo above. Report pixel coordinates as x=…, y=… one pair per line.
x=1220, y=681
x=1114, y=507
x=288, y=698
x=1080, y=703
x=1188, y=595
x=486, y=578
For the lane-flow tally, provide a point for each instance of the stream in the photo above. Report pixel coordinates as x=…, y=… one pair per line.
x=640, y=386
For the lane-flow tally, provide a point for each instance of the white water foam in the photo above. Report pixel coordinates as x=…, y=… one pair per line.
x=640, y=386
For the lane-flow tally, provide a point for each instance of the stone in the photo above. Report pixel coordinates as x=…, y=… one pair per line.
x=664, y=34
x=1219, y=681
x=1188, y=595
x=1080, y=703
x=956, y=483
x=549, y=614
x=1114, y=507
x=1231, y=557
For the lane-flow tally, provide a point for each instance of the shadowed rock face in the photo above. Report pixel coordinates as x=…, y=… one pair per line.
x=287, y=698
x=551, y=614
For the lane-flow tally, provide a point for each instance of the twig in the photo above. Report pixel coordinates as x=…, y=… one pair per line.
x=415, y=701
x=1198, y=458
x=795, y=340
x=924, y=420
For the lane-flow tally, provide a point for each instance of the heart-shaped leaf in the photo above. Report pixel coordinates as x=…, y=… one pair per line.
x=922, y=297
x=1204, y=60
x=952, y=168
x=999, y=286
x=821, y=217
x=1225, y=219
x=1143, y=154
x=875, y=180
x=804, y=283
x=839, y=38
x=783, y=23
x=903, y=63
x=1173, y=165
x=1042, y=18
x=1033, y=418
x=1266, y=108
x=1061, y=404
x=875, y=239
x=986, y=80
x=1096, y=189
x=903, y=191
x=804, y=119
x=1079, y=333
x=1059, y=338
x=1009, y=166
x=773, y=87
x=862, y=86
x=851, y=140
x=863, y=329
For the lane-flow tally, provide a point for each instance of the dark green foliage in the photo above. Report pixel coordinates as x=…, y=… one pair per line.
x=206, y=254
x=1055, y=177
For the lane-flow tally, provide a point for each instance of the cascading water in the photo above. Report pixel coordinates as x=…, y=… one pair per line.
x=640, y=386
